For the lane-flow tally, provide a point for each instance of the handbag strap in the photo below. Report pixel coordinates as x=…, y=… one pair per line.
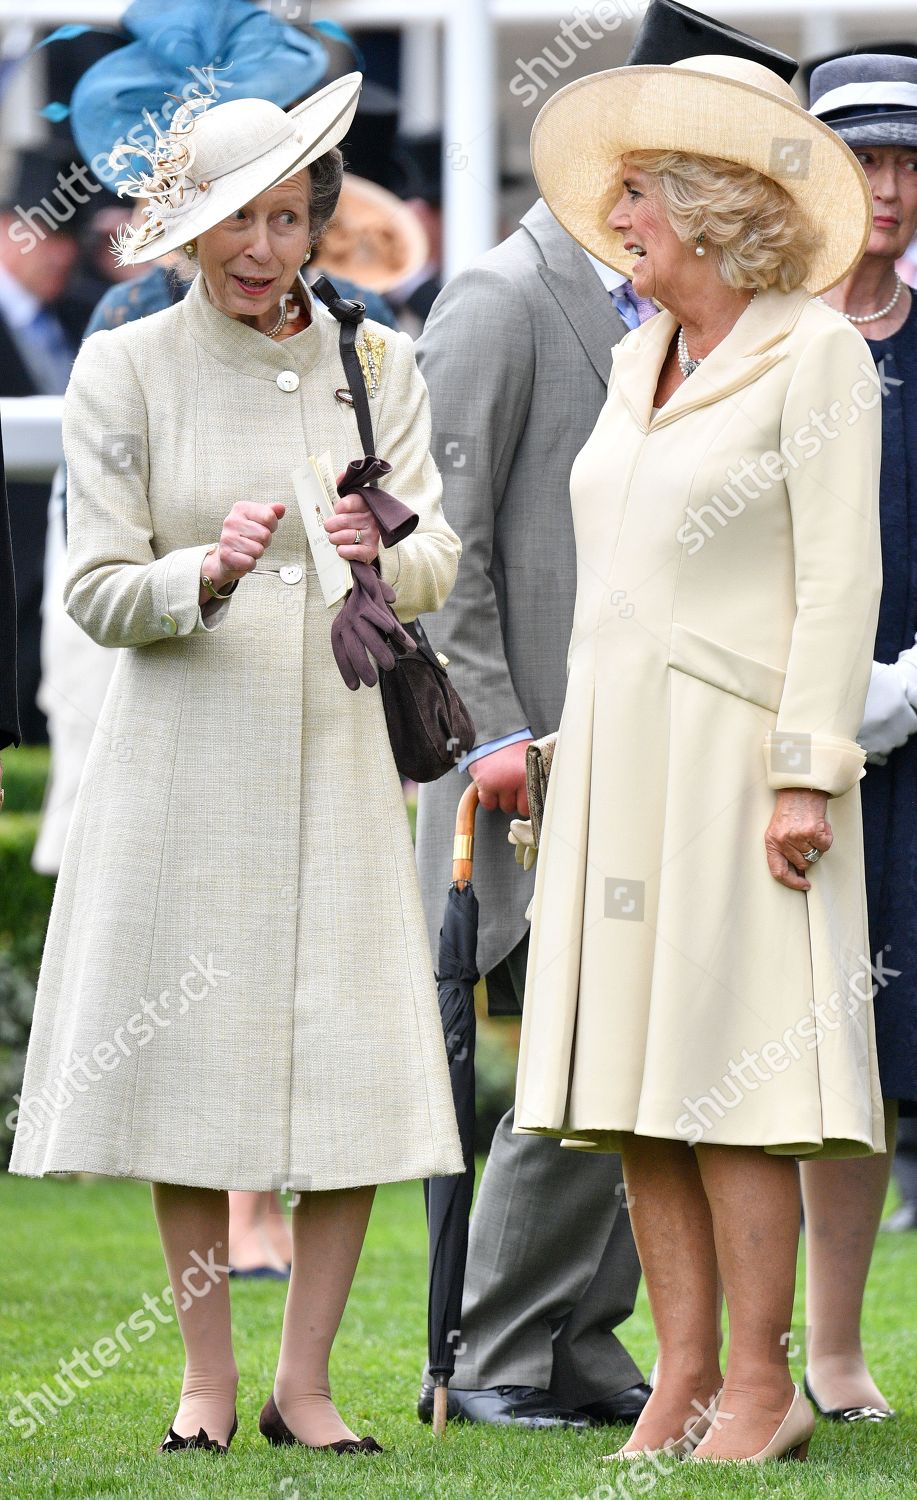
x=350, y=315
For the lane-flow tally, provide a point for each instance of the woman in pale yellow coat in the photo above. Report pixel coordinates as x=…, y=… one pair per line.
x=237, y=990
x=698, y=988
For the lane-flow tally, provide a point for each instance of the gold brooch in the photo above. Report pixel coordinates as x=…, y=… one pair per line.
x=371, y=353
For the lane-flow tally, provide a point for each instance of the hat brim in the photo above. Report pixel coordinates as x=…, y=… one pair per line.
x=321, y=122
x=879, y=130
x=582, y=133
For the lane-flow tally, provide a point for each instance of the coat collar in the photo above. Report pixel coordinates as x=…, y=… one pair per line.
x=751, y=347
x=248, y=351
x=573, y=283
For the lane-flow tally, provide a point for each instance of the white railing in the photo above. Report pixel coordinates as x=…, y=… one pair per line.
x=31, y=436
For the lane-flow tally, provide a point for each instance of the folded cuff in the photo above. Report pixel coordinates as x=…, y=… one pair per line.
x=181, y=613
x=813, y=762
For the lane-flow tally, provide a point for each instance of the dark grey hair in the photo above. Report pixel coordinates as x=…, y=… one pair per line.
x=326, y=175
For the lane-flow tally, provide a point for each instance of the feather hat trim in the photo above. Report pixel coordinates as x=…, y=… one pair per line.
x=215, y=158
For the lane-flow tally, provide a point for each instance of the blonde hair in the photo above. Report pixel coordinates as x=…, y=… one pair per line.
x=752, y=227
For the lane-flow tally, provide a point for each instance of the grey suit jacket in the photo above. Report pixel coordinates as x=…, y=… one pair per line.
x=517, y=356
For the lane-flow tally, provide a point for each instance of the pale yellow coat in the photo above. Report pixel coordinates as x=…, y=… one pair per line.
x=237, y=948
x=728, y=585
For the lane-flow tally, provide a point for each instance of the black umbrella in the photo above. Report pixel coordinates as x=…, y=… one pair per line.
x=449, y=1198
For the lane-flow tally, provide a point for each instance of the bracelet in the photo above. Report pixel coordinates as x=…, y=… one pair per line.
x=208, y=582
x=208, y=585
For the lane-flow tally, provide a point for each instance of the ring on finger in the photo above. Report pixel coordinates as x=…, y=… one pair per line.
x=357, y=538
x=812, y=856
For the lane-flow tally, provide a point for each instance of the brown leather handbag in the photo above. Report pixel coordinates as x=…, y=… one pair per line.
x=429, y=727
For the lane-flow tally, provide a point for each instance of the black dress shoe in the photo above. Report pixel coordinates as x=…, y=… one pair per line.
x=620, y=1410
x=173, y=1442
x=278, y=1434
x=848, y=1413
x=503, y=1405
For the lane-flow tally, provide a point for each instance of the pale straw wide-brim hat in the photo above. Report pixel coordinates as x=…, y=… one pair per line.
x=374, y=239
x=724, y=107
x=217, y=157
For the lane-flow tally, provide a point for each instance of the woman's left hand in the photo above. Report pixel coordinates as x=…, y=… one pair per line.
x=798, y=825
x=351, y=516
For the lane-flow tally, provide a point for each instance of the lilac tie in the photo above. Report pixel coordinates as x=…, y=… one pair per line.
x=632, y=309
x=644, y=307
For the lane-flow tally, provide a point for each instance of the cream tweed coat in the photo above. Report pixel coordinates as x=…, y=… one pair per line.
x=237, y=949
x=727, y=593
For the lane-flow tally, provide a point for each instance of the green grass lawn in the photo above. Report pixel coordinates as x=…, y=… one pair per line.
x=77, y=1259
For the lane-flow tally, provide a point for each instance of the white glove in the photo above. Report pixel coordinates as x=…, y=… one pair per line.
x=523, y=840
x=888, y=719
x=907, y=669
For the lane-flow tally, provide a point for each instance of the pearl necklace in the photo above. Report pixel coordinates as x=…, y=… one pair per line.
x=883, y=311
x=281, y=321
x=686, y=364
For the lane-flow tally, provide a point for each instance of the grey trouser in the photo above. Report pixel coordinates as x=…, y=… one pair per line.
x=552, y=1267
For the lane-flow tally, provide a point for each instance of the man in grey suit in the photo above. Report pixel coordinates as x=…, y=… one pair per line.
x=517, y=356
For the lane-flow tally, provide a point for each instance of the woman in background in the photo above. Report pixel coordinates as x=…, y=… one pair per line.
x=871, y=102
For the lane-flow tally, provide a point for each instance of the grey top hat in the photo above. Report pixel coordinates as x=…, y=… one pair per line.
x=869, y=98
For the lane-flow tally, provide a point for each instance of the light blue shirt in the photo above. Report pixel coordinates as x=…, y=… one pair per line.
x=491, y=745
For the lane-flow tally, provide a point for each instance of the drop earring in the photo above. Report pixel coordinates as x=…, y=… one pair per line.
x=699, y=247
x=307, y=257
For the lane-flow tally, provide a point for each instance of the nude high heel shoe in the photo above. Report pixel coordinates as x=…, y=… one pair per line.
x=681, y=1447
x=790, y=1441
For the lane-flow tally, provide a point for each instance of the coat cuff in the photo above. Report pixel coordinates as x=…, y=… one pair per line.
x=180, y=612
x=813, y=762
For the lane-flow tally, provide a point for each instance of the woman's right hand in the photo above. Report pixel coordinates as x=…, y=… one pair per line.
x=246, y=536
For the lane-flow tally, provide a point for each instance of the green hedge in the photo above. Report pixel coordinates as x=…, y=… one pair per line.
x=17, y=1001
x=25, y=902
x=25, y=896
x=25, y=772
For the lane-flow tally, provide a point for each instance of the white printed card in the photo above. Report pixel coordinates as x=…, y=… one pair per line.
x=316, y=493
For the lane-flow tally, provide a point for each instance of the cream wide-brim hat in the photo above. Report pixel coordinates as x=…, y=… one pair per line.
x=241, y=149
x=724, y=107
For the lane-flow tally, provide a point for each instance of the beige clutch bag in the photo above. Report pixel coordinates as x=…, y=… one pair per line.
x=538, y=758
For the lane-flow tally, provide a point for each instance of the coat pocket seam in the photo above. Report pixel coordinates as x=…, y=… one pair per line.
x=722, y=667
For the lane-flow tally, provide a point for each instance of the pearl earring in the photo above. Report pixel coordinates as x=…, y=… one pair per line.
x=699, y=249
x=191, y=249
x=307, y=257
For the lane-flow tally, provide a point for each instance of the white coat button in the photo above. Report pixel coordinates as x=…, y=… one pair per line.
x=288, y=380
x=292, y=573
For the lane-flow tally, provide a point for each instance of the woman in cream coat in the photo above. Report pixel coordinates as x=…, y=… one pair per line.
x=237, y=951
x=698, y=987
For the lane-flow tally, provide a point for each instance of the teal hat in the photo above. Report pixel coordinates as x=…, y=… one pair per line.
x=181, y=46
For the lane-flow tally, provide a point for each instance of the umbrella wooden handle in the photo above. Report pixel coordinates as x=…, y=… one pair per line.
x=463, y=846
x=440, y=1408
